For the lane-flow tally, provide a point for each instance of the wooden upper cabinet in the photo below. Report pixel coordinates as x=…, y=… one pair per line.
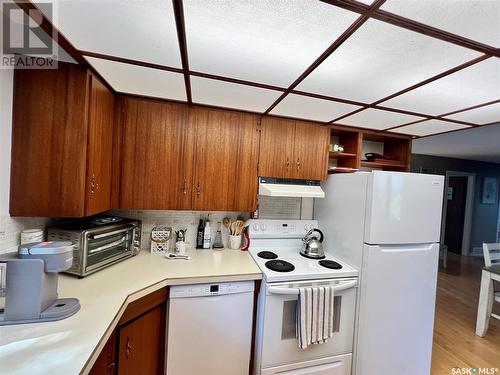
x=276, y=147
x=293, y=149
x=100, y=147
x=226, y=160
x=51, y=142
x=157, y=155
x=310, y=152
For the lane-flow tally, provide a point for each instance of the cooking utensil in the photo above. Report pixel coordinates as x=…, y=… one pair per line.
x=227, y=222
x=312, y=244
x=218, y=238
x=241, y=226
x=177, y=256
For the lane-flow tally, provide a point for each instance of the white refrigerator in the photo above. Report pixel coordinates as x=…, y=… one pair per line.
x=387, y=224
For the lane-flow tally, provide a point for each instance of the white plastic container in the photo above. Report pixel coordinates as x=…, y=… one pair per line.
x=31, y=236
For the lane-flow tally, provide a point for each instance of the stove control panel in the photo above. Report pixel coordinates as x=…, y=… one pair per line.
x=263, y=228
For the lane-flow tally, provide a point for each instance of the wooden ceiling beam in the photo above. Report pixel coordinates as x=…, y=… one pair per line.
x=416, y=26
x=332, y=48
x=413, y=87
x=181, y=36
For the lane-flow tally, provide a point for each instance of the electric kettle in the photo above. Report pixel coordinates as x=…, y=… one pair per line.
x=312, y=244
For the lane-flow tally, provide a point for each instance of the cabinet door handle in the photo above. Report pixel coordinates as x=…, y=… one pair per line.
x=93, y=187
x=184, y=190
x=287, y=164
x=298, y=164
x=128, y=349
x=111, y=369
x=198, y=189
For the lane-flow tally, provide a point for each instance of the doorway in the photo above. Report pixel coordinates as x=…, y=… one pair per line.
x=456, y=197
x=457, y=211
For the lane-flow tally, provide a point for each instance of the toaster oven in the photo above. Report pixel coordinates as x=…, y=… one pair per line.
x=98, y=246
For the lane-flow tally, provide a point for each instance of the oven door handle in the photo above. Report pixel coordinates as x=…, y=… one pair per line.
x=107, y=234
x=295, y=291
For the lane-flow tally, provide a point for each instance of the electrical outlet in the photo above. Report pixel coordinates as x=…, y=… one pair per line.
x=3, y=234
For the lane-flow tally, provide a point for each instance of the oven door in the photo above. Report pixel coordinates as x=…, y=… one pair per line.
x=107, y=247
x=279, y=342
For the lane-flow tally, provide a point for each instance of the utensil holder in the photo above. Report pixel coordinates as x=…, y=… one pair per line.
x=235, y=242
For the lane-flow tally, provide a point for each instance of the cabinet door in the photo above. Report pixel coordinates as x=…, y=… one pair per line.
x=310, y=152
x=49, y=142
x=276, y=147
x=105, y=364
x=141, y=347
x=157, y=156
x=100, y=147
x=226, y=160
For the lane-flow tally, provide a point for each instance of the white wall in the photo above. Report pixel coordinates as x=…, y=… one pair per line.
x=6, y=80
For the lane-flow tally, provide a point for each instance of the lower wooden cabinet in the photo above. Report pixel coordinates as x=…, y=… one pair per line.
x=141, y=344
x=137, y=346
x=106, y=362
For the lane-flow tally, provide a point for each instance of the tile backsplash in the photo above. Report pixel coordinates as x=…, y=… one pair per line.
x=269, y=208
x=11, y=227
x=178, y=220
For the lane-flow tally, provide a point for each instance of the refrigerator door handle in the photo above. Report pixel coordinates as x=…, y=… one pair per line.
x=407, y=248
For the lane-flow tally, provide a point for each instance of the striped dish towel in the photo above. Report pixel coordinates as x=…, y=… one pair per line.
x=314, y=323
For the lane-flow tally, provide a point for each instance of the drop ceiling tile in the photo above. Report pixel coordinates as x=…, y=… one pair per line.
x=231, y=95
x=478, y=20
x=377, y=119
x=429, y=127
x=479, y=83
x=381, y=59
x=138, y=80
x=263, y=41
x=139, y=30
x=308, y=108
x=481, y=115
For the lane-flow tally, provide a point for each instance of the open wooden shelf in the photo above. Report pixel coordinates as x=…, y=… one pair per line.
x=357, y=142
x=334, y=155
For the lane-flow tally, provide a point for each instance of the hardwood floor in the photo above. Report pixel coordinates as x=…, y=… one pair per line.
x=455, y=342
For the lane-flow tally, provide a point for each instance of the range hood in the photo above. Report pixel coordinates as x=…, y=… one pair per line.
x=279, y=187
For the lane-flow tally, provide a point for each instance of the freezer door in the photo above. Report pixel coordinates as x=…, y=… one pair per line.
x=396, y=310
x=403, y=208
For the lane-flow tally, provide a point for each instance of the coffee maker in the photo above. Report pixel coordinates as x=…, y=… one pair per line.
x=31, y=283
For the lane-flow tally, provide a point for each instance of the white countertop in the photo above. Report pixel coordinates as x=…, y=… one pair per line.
x=70, y=346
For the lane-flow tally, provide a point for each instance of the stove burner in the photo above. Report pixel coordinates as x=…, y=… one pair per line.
x=330, y=264
x=267, y=255
x=280, y=265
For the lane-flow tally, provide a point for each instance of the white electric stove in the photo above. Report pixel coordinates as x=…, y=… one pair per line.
x=275, y=246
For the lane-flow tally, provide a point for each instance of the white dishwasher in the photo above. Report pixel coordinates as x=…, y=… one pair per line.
x=210, y=329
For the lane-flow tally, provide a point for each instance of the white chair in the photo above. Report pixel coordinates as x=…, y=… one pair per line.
x=491, y=252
